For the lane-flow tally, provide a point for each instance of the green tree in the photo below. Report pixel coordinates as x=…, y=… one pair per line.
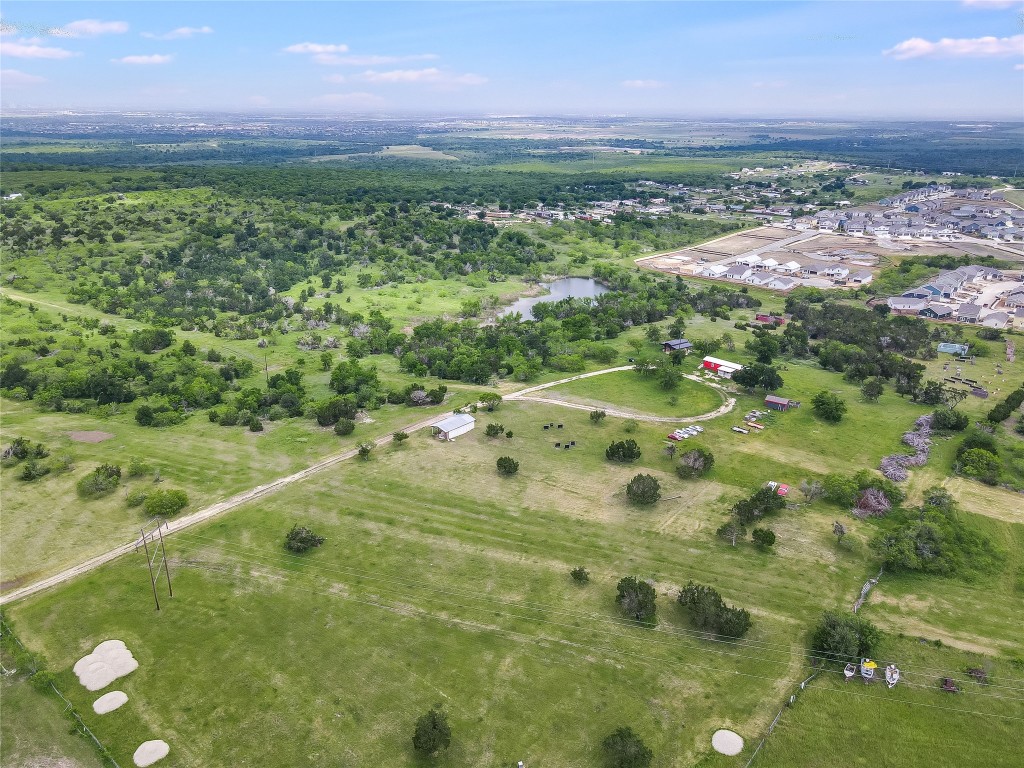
x=301, y=539
x=164, y=502
x=643, y=489
x=507, y=466
x=364, y=450
x=842, y=637
x=344, y=427
x=668, y=378
x=494, y=430
x=623, y=451
x=432, y=733
x=625, y=749
x=732, y=531
x=491, y=400
x=636, y=598
x=872, y=390
x=980, y=464
x=709, y=613
x=828, y=406
x=764, y=538
x=399, y=437
x=759, y=375
x=597, y=416
x=696, y=462
x=580, y=574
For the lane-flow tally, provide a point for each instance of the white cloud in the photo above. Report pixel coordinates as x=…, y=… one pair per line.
x=373, y=60
x=431, y=75
x=156, y=58
x=13, y=78
x=642, y=84
x=180, y=32
x=948, y=47
x=356, y=100
x=29, y=48
x=95, y=27
x=994, y=4
x=334, y=78
x=1019, y=67
x=316, y=48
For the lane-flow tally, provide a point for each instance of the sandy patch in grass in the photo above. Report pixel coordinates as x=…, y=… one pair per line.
x=109, y=661
x=150, y=751
x=90, y=436
x=108, y=702
x=727, y=742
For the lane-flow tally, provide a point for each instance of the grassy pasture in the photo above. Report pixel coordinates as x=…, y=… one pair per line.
x=643, y=395
x=450, y=587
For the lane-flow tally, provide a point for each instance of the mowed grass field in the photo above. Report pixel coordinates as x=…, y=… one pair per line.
x=628, y=391
x=443, y=584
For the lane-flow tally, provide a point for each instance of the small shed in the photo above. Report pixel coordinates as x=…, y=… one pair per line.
x=453, y=426
x=723, y=368
x=780, y=403
x=676, y=345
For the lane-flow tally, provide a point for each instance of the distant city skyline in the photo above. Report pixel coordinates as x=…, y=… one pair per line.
x=844, y=60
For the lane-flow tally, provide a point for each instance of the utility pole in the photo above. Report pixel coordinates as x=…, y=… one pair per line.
x=163, y=552
x=149, y=562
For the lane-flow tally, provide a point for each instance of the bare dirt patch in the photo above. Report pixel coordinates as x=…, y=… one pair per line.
x=90, y=436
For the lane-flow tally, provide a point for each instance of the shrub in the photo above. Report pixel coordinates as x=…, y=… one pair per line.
x=580, y=574
x=494, y=430
x=364, y=450
x=696, y=462
x=301, y=539
x=828, y=406
x=507, y=465
x=399, y=437
x=709, y=612
x=33, y=470
x=643, y=489
x=636, y=598
x=952, y=421
x=164, y=503
x=624, y=749
x=137, y=467
x=597, y=416
x=843, y=637
x=136, y=497
x=344, y=427
x=432, y=733
x=100, y=481
x=629, y=426
x=255, y=425
x=763, y=537
x=623, y=451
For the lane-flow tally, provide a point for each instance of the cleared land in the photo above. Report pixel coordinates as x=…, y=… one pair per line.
x=456, y=593
x=627, y=390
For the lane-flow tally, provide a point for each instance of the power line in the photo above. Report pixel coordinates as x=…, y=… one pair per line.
x=574, y=644
x=490, y=601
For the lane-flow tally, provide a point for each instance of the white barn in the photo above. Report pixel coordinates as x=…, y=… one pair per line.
x=453, y=426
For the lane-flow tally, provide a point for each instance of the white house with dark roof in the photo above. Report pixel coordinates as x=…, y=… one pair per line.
x=969, y=313
x=782, y=283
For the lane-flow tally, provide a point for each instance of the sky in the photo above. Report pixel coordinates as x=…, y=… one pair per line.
x=896, y=60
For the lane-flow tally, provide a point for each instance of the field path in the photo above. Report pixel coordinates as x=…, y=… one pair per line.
x=527, y=394
x=244, y=497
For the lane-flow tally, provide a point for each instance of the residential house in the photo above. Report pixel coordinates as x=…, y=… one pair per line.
x=837, y=273
x=969, y=313
x=782, y=283
x=937, y=312
x=759, y=278
x=904, y=305
x=676, y=345
x=737, y=272
x=860, y=277
x=996, y=320
x=789, y=268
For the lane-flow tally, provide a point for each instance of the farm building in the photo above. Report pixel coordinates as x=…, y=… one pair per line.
x=723, y=368
x=453, y=426
x=676, y=345
x=770, y=319
x=780, y=403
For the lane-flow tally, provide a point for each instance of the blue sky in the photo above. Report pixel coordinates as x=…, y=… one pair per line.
x=926, y=60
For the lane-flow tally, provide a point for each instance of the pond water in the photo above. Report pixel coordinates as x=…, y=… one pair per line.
x=567, y=287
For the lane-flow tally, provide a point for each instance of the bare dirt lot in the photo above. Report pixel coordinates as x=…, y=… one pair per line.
x=90, y=436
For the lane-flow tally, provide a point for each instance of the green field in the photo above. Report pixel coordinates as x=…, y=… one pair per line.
x=456, y=593
x=626, y=390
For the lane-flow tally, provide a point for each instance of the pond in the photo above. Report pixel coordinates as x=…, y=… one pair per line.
x=567, y=287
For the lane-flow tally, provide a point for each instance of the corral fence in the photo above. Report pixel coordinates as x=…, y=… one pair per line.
x=69, y=709
x=789, y=702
